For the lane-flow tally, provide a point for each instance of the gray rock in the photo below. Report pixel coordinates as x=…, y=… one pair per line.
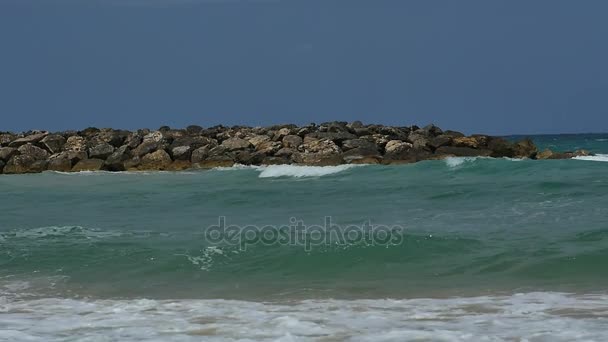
x=53, y=143
x=285, y=152
x=292, y=141
x=359, y=143
x=145, y=148
x=2, y=163
x=193, y=141
x=234, y=144
x=194, y=129
x=101, y=151
x=419, y=139
x=115, y=162
x=200, y=154
x=337, y=137
x=35, y=152
x=6, y=153
x=397, y=147
x=362, y=155
x=30, y=139
x=60, y=162
x=440, y=140
x=24, y=164
x=318, y=152
x=181, y=153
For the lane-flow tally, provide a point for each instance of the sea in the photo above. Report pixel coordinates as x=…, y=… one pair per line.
x=461, y=249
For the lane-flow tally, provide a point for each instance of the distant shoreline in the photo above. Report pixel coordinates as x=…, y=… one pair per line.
x=330, y=143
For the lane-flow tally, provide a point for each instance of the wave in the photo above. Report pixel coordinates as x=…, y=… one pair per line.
x=298, y=171
x=553, y=316
x=597, y=157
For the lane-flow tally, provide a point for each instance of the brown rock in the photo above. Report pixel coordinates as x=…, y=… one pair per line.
x=88, y=165
x=158, y=160
x=24, y=164
x=30, y=139
x=53, y=143
x=6, y=153
x=234, y=144
x=60, y=162
x=35, y=152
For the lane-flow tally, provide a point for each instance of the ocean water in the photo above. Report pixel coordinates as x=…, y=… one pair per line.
x=475, y=249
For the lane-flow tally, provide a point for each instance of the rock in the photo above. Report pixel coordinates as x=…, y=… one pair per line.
x=164, y=128
x=470, y=142
x=194, y=129
x=285, y=152
x=336, y=137
x=115, y=161
x=269, y=147
x=89, y=132
x=101, y=151
x=35, y=152
x=6, y=153
x=359, y=143
x=30, y=139
x=181, y=153
x=156, y=137
x=234, y=144
x=355, y=124
x=115, y=138
x=292, y=141
x=362, y=155
x=200, y=154
x=215, y=161
x=88, y=165
x=525, y=149
x=420, y=139
x=432, y=130
x=546, y=154
x=453, y=134
x=75, y=144
x=281, y=133
x=501, y=148
x=249, y=158
x=132, y=164
x=24, y=164
x=396, y=147
x=158, y=160
x=318, y=152
x=258, y=139
x=145, y=148
x=440, y=140
x=6, y=138
x=135, y=139
x=461, y=152
x=179, y=165
x=60, y=162
x=193, y=141
x=53, y=143
x=2, y=166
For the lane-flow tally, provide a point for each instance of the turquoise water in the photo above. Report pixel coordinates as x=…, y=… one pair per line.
x=520, y=242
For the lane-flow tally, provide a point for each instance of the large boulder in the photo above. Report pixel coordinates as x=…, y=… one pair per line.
x=7, y=152
x=419, y=138
x=397, y=147
x=60, y=162
x=318, y=152
x=24, y=164
x=145, y=148
x=6, y=138
x=235, y=144
x=193, y=141
x=359, y=143
x=34, y=151
x=75, y=144
x=88, y=165
x=292, y=141
x=181, y=153
x=29, y=139
x=194, y=129
x=115, y=161
x=101, y=151
x=525, y=149
x=53, y=143
x=158, y=160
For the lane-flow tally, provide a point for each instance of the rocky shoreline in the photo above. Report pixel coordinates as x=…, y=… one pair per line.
x=330, y=143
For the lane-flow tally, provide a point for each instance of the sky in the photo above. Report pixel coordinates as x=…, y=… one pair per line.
x=478, y=66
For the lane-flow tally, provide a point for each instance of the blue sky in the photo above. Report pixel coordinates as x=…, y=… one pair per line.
x=484, y=66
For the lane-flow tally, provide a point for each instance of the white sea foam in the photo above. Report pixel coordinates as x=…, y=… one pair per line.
x=302, y=171
x=540, y=316
x=597, y=157
x=601, y=140
x=455, y=162
x=55, y=231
